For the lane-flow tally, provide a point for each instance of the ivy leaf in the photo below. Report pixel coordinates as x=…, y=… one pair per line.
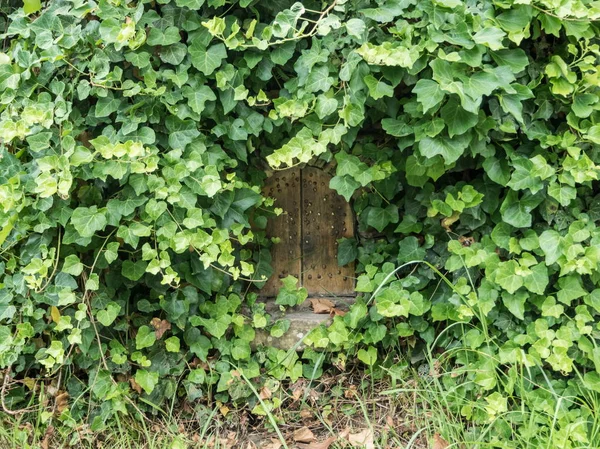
x=107, y=106
x=173, y=54
x=550, y=244
x=368, y=356
x=181, y=132
x=108, y=315
x=562, y=193
x=347, y=251
x=197, y=97
x=457, y=119
x=379, y=218
x=428, y=93
x=133, y=270
x=538, y=280
x=72, y=265
x=207, y=60
x=290, y=294
x=515, y=59
x=88, y=220
x=344, y=185
x=410, y=250
x=240, y=350
x=507, y=277
x=515, y=304
x=145, y=338
x=146, y=379
x=498, y=170
x=490, y=37
x=355, y=27
x=450, y=149
x=318, y=79
x=31, y=6
x=396, y=128
x=378, y=89
x=570, y=289
x=172, y=344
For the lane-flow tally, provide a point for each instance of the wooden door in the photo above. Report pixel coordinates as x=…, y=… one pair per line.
x=314, y=218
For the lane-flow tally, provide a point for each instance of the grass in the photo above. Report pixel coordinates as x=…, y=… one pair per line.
x=408, y=411
x=372, y=408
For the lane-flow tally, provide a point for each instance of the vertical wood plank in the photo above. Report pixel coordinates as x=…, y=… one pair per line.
x=286, y=256
x=326, y=217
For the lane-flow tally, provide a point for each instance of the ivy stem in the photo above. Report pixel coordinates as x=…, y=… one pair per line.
x=56, y=258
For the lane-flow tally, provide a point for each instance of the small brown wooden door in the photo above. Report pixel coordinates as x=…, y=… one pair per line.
x=314, y=218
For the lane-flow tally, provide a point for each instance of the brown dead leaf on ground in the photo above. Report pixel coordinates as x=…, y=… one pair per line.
x=362, y=439
x=316, y=445
x=274, y=444
x=337, y=312
x=350, y=392
x=389, y=422
x=61, y=402
x=322, y=305
x=160, y=327
x=229, y=441
x=265, y=393
x=135, y=386
x=45, y=443
x=439, y=442
x=304, y=435
x=306, y=414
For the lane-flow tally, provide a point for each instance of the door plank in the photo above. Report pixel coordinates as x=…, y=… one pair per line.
x=286, y=255
x=326, y=217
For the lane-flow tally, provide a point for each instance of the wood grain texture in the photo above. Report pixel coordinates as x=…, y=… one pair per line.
x=285, y=188
x=326, y=217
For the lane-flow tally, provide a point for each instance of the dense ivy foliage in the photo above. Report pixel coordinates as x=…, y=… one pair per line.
x=135, y=138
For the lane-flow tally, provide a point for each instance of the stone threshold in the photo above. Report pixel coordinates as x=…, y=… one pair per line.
x=302, y=320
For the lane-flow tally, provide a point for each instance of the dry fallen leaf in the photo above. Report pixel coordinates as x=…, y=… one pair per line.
x=274, y=444
x=344, y=433
x=350, y=392
x=322, y=305
x=389, y=421
x=362, y=439
x=322, y=445
x=61, y=402
x=304, y=435
x=297, y=393
x=135, y=386
x=265, y=393
x=439, y=442
x=337, y=312
x=224, y=410
x=45, y=443
x=306, y=414
x=160, y=327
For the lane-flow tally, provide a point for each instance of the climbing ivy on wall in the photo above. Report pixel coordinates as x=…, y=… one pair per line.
x=135, y=138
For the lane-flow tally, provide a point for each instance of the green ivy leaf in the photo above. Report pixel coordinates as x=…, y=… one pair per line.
x=207, y=60
x=144, y=338
x=109, y=314
x=72, y=265
x=146, y=379
x=88, y=220
x=368, y=356
x=172, y=344
x=457, y=119
x=133, y=270
x=344, y=185
x=449, y=149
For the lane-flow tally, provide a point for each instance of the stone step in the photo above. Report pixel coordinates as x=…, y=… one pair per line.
x=302, y=321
